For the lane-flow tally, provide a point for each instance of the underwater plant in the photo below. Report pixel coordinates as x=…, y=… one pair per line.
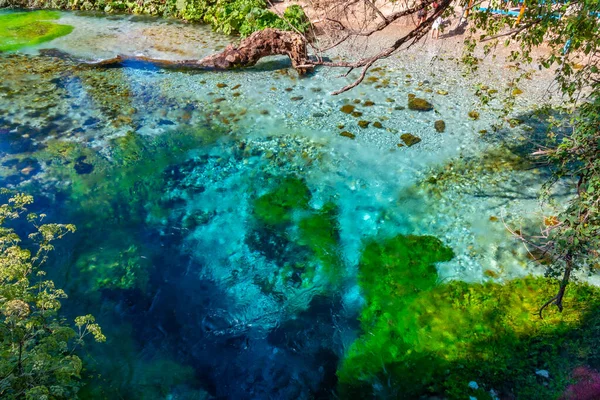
x=26, y=29
x=421, y=337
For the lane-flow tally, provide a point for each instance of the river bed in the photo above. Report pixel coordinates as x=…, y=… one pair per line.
x=161, y=171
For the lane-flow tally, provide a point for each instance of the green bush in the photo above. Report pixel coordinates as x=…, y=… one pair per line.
x=247, y=16
x=38, y=358
x=227, y=16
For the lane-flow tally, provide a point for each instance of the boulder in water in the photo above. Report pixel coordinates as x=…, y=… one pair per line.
x=417, y=104
x=440, y=126
x=409, y=139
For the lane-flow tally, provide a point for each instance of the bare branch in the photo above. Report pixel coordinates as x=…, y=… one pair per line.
x=356, y=82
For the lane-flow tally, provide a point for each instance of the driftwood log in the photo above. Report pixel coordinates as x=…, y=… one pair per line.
x=268, y=42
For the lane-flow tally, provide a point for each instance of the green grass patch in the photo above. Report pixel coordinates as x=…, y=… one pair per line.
x=23, y=29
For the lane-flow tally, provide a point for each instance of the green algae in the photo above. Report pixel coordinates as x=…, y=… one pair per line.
x=19, y=30
x=320, y=232
x=122, y=191
x=423, y=338
x=277, y=206
x=308, y=239
x=115, y=268
x=134, y=377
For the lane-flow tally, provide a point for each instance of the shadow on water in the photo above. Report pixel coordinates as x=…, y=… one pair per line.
x=505, y=363
x=542, y=129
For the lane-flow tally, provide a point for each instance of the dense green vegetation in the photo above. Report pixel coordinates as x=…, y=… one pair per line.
x=38, y=348
x=570, y=32
x=244, y=16
x=422, y=337
x=25, y=29
x=227, y=16
x=311, y=235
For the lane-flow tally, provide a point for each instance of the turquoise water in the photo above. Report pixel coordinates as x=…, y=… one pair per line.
x=161, y=172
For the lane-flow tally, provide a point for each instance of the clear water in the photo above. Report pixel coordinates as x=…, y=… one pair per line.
x=159, y=170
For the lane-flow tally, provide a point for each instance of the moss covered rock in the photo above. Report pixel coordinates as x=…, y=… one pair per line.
x=347, y=108
x=440, y=126
x=18, y=30
x=320, y=232
x=277, y=206
x=424, y=338
x=419, y=104
x=409, y=139
x=474, y=115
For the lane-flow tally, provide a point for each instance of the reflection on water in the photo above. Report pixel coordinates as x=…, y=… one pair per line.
x=221, y=216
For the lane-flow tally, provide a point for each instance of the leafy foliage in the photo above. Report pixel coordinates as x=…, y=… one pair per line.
x=570, y=32
x=247, y=16
x=227, y=16
x=37, y=346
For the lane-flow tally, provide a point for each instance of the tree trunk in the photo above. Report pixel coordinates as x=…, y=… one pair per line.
x=268, y=42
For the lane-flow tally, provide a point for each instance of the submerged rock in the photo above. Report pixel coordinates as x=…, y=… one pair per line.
x=440, y=126
x=418, y=104
x=28, y=166
x=377, y=125
x=409, y=139
x=347, y=108
x=348, y=134
x=474, y=115
x=363, y=124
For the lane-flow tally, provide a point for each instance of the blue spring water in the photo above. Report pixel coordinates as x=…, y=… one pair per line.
x=160, y=170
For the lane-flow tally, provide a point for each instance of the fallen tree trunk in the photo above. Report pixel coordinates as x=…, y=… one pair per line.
x=268, y=42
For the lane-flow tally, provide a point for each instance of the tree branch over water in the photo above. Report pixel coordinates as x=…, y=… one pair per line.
x=294, y=44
